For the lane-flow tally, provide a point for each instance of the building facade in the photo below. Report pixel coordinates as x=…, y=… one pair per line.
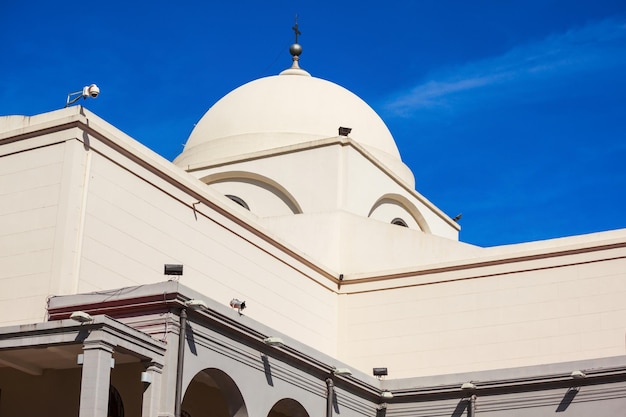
x=290, y=195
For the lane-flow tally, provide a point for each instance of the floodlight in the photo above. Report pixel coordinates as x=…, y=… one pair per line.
x=196, y=304
x=344, y=131
x=342, y=372
x=273, y=341
x=172, y=269
x=81, y=317
x=387, y=395
x=467, y=386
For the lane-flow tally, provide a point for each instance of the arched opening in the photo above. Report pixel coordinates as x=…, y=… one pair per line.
x=238, y=200
x=116, y=405
x=288, y=407
x=399, y=222
x=213, y=393
x=261, y=195
x=398, y=210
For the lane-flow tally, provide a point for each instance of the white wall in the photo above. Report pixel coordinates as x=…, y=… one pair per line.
x=77, y=220
x=40, y=192
x=137, y=221
x=328, y=176
x=499, y=315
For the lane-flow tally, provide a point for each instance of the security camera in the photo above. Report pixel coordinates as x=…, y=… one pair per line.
x=239, y=305
x=91, y=91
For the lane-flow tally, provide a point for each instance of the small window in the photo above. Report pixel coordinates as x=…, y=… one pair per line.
x=238, y=201
x=399, y=222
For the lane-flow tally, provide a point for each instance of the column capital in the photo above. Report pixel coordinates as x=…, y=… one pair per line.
x=99, y=345
x=153, y=366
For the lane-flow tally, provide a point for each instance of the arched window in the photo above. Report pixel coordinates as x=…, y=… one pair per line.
x=399, y=222
x=238, y=201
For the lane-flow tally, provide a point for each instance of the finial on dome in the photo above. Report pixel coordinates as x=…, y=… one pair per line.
x=295, y=50
x=295, y=29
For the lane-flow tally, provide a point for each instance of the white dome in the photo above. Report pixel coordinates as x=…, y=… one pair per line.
x=283, y=110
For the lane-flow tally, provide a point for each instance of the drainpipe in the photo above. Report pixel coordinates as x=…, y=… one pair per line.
x=330, y=392
x=182, y=336
x=471, y=410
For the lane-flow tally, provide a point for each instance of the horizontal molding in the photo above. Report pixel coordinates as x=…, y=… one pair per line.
x=469, y=266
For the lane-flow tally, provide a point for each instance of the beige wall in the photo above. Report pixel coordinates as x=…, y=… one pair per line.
x=503, y=314
x=40, y=193
x=86, y=208
x=77, y=220
x=135, y=224
x=329, y=176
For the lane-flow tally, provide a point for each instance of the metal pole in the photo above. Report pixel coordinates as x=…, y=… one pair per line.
x=330, y=391
x=471, y=412
x=182, y=336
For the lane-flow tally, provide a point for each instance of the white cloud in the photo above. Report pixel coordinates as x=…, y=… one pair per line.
x=597, y=46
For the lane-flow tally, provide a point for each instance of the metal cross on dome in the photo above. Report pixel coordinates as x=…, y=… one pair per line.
x=295, y=29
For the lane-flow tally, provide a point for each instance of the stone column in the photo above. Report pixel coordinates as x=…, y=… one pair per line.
x=152, y=392
x=96, y=379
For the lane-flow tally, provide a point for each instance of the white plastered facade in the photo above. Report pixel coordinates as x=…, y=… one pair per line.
x=85, y=209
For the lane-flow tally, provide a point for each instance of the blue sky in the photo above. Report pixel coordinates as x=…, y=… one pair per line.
x=512, y=113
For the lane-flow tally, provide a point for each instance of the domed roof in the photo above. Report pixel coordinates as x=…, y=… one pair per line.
x=283, y=110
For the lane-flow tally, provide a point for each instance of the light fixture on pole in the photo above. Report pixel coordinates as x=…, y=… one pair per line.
x=81, y=317
x=273, y=341
x=342, y=372
x=468, y=386
x=87, y=91
x=196, y=304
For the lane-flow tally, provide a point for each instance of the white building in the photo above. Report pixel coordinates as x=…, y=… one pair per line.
x=320, y=231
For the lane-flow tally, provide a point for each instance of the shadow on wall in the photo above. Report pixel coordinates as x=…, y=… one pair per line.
x=567, y=399
x=460, y=408
x=268, y=370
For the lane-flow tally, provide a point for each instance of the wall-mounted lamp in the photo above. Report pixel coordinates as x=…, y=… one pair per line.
x=81, y=317
x=386, y=395
x=344, y=131
x=172, y=269
x=379, y=372
x=273, y=341
x=239, y=305
x=88, y=91
x=578, y=375
x=195, y=304
x=468, y=386
x=342, y=372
